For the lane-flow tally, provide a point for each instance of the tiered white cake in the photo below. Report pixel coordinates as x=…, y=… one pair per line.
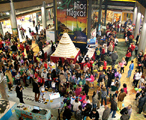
x=65, y=48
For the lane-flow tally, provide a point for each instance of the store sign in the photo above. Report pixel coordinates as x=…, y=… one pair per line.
x=78, y=11
x=72, y=18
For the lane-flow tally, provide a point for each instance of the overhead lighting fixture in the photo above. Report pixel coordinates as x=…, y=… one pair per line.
x=7, y=13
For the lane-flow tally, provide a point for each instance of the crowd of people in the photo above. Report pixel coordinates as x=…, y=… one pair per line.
x=73, y=80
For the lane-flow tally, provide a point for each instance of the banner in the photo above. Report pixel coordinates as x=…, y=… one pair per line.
x=14, y=31
x=50, y=36
x=93, y=37
x=72, y=18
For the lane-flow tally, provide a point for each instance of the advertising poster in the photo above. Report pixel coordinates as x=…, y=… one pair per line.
x=93, y=37
x=14, y=31
x=50, y=35
x=72, y=18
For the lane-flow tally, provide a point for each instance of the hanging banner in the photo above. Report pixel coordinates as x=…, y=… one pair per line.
x=14, y=31
x=72, y=18
x=93, y=37
x=50, y=36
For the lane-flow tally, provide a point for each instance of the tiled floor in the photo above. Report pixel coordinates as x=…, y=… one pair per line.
x=128, y=100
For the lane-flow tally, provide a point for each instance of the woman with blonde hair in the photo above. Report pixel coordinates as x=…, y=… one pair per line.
x=9, y=79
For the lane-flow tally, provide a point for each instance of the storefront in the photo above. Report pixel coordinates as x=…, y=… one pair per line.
x=112, y=16
x=6, y=24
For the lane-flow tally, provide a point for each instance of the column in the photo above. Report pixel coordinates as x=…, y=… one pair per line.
x=13, y=19
x=142, y=43
x=89, y=19
x=43, y=12
x=3, y=94
x=99, y=14
x=105, y=12
x=137, y=27
x=1, y=29
x=55, y=18
x=135, y=14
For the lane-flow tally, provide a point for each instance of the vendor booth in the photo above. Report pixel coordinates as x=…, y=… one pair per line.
x=65, y=49
x=6, y=109
x=29, y=112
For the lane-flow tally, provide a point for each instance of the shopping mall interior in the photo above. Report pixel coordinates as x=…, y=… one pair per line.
x=72, y=60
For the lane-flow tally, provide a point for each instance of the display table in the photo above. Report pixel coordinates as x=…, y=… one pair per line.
x=8, y=112
x=25, y=111
x=55, y=101
x=56, y=59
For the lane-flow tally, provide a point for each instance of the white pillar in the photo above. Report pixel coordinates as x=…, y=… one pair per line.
x=3, y=93
x=137, y=23
x=142, y=43
x=13, y=19
x=43, y=12
x=1, y=28
x=135, y=15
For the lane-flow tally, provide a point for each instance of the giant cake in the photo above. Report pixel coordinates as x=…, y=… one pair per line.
x=66, y=48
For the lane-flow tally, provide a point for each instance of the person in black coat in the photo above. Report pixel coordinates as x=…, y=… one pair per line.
x=67, y=113
x=86, y=88
x=36, y=90
x=87, y=110
x=94, y=114
x=142, y=101
x=36, y=28
x=113, y=107
x=19, y=92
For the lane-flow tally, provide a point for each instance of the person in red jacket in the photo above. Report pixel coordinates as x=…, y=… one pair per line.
x=21, y=47
x=132, y=47
x=128, y=55
x=104, y=65
x=1, y=45
x=102, y=53
x=45, y=65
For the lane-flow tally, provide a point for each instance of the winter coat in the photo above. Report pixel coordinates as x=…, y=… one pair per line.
x=95, y=99
x=121, y=96
x=114, y=56
x=113, y=105
x=94, y=116
x=124, y=117
x=106, y=114
x=142, y=101
x=103, y=93
x=144, y=108
x=78, y=91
